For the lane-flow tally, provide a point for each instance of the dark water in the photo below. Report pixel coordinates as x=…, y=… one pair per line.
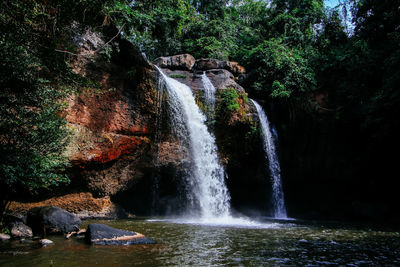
x=267, y=244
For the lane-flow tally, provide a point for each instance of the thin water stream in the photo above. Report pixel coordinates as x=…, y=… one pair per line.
x=278, y=200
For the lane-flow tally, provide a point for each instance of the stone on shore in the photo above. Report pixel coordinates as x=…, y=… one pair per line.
x=52, y=220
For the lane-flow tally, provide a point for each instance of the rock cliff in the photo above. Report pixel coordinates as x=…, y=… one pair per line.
x=123, y=156
x=111, y=122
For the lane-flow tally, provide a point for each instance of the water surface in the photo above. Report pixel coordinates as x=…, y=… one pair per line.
x=183, y=242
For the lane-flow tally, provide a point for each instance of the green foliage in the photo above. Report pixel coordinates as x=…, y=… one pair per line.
x=279, y=70
x=279, y=90
x=155, y=27
x=229, y=100
x=34, y=81
x=178, y=76
x=6, y=231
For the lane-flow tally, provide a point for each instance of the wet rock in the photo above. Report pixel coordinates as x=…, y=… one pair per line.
x=212, y=63
x=223, y=79
x=100, y=234
x=83, y=204
x=4, y=237
x=177, y=62
x=46, y=242
x=20, y=230
x=52, y=220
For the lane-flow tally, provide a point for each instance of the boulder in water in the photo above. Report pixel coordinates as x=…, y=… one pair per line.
x=17, y=226
x=4, y=237
x=46, y=242
x=52, y=220
x=100, y=234
x=20, y=230
x=177, y=62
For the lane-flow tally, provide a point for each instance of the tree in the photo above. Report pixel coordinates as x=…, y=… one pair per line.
x=34, y=80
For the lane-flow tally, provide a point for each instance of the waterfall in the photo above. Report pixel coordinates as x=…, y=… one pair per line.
x=209, y=91
x=278, y=202
x=205, y=181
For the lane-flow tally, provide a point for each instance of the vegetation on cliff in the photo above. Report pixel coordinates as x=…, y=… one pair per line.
x=35, y=78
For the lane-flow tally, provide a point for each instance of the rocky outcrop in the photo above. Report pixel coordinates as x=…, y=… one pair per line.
x=84, y=205
x=100, y=234
x=177, y=62
x=111, y=124
x=17, y=226
x=52, y=220
x=112, y=120
x=223, y=79
x=212, y=63
x=235, y=128
x=20, y=230
x=111, y=117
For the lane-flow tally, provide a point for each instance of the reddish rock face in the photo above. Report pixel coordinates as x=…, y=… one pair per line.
x=83, y=204
x=106, y=112
x=111, y=124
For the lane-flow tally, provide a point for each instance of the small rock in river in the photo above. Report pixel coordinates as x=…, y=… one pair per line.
x=4, y=237
x=20, y=230
x=46, y=242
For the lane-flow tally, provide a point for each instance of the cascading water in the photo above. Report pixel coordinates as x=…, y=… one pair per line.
x=209, y=91
x=278, y=201
x=206, y=183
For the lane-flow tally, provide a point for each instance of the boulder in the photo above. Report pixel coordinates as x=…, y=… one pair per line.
x=52, y=220
x=177, y=62
x=100, y=234
x=222, y=79
x=46, y=242
x=212, y=63
x=20, y=230
x=17, y=226
x=4, y=237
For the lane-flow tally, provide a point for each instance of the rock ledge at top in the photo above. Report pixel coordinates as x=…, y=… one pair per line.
x=177, y=62
x=187, y=62
x=212, y=63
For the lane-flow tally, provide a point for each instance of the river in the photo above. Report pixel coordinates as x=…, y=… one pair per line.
x=184, y=242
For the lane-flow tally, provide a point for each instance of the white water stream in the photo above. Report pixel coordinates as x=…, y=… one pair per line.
x=209, y=91
x=278, y=201
x=206, y=185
